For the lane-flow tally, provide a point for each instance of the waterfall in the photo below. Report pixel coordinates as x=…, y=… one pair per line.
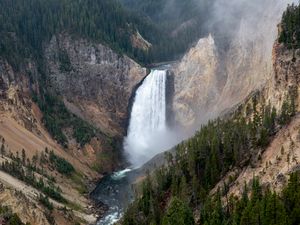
x=147, y=132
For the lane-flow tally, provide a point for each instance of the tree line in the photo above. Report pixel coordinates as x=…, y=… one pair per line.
x=26, y=25
x=258, y=206
x=290, y=27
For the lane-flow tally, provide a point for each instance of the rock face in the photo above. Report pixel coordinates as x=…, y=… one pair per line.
x=95, y=82
x=15, y=98
x=196, y=83
x=286, y=77
x=211, y=78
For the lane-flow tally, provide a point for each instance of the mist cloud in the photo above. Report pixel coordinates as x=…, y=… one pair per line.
x=255, y=17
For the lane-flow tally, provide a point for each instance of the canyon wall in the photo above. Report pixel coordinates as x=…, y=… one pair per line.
x=286, y=77
x=15, y=97
x=214, y=76
x=196, y=83
x=280, y=158
x=97, y=83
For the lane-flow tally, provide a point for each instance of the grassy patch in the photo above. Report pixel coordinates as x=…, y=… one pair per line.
x=78, y=179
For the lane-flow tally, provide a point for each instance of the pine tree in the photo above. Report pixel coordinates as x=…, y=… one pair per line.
x=23, y=156
x=284, y=116
x=2, y=150
x=178, y=213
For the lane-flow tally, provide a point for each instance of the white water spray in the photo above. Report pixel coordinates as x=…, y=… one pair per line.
x=148, y=134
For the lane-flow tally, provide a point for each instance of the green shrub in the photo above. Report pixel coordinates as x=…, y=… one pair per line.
x=45, y=201
x=60, y=164
x=57, y=117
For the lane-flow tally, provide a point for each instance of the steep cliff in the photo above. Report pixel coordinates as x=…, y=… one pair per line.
x=14, y=94
x=212, y=78
x=196, y=83
x=96, y=84
x=286, y=77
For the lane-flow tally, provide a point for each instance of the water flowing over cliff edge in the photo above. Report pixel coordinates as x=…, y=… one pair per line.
x=148, y=133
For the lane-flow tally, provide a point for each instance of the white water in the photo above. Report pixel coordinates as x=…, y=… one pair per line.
x=120, y=174
x=148, y=134
x=115, y=192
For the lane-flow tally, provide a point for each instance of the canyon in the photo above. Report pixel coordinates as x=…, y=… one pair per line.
x=98, y=85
